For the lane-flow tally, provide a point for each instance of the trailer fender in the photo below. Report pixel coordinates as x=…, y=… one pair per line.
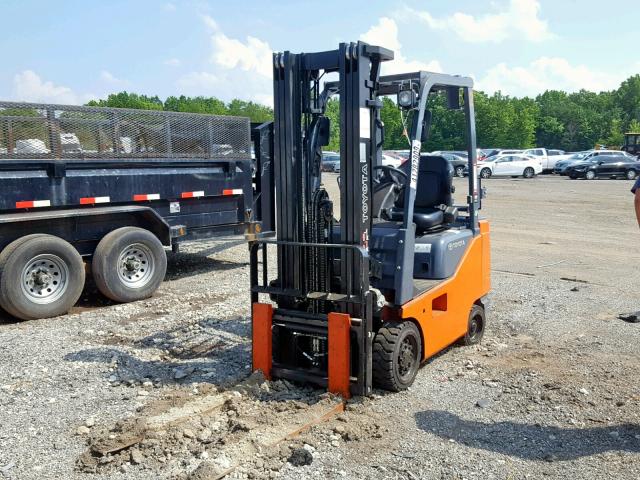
x=83, y=227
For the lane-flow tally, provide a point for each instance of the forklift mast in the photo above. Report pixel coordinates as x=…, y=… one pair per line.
x=321, y=328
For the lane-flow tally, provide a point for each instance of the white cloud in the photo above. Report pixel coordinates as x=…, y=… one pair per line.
x=520, y=19
x=239, y=68
x=385, y=34
x=547, y=73
x=226, y=85
x=108, y=77
x=254, y=55
x=29, y=87
x=172, y=62
x=210, y=22
x=202, y=81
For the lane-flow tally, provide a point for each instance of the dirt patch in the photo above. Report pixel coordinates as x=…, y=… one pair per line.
x=250, y=428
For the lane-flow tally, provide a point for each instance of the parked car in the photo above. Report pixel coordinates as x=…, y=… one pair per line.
x=458, y=162
x=330, y=162
x=502, y=151
x=563, y=165
x=610, y=165
x=548, y=158
x=391, y=159
x=513, y=165
x=488, y=152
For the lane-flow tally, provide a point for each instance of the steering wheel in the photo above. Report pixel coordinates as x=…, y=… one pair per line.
x=390, y=175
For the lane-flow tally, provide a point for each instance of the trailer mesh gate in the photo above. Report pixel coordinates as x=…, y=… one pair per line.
x=61, y=131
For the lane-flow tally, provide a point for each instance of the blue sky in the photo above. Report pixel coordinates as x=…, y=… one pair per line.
x=71, y=51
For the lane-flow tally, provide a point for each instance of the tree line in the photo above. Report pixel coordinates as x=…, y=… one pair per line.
x=553, y=119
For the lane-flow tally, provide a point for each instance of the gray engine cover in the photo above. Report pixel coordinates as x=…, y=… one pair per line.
x=437, y=255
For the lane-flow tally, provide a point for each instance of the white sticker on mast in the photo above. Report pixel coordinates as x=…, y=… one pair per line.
x=416, y=145
x=365, y=123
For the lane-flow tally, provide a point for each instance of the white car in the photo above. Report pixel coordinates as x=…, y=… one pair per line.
x=391, y=160
x=514, y=165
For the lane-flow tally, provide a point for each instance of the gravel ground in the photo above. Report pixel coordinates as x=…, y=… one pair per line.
x=552, y=392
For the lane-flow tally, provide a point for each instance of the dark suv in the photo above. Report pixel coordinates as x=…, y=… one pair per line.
x=615, y=165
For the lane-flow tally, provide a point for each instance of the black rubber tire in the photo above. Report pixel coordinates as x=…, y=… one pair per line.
x=105, y=264
x=476, y=326
x=16, y=256
x=391, y=340
x=631, y=174
x=485, y=173
x=459, y=171
x=529, y=173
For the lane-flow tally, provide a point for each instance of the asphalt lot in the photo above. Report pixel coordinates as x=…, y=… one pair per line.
x=552, y=392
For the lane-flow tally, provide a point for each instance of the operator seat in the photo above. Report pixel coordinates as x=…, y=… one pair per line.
x=433, y=205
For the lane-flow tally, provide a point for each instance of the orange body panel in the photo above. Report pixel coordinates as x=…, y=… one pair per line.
x=442, y=313
x=339, y=353
x=262, y=320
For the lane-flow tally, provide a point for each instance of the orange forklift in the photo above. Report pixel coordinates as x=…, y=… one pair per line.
x=362, y=300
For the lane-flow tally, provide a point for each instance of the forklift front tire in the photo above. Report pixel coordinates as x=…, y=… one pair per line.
x=397, y=352
x=475, y=330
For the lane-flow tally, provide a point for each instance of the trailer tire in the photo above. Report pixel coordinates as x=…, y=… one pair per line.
x=476, y=325
x=397, y=353
x=129, y=264
x=41, y=276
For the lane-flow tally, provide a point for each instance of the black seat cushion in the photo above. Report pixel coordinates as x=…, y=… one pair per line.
x=433, y=193
x=424, y=220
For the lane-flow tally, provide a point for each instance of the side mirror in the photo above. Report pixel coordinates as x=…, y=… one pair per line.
x=600, y=163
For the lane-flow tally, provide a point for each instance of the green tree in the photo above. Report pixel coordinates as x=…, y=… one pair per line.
x=209, y=105
x=628, y=98
x=634, y=126
x=129, y=100
x=255, y=111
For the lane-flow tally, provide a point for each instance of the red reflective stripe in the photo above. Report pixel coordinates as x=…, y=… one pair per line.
x=192, y=194
x=146, y=197
x=232, y=191
x=93, y=200
x=33, y=203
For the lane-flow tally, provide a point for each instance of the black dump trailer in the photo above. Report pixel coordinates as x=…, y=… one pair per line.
x=113, y=189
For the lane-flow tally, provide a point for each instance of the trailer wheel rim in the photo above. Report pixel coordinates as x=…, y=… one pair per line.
x=407, y=356
x=45, y=278
x=136, y=266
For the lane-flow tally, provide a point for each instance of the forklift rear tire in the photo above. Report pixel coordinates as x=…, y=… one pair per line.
x=397, y=352
x=475, y=330
x=129, y=264
x=41, y=276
